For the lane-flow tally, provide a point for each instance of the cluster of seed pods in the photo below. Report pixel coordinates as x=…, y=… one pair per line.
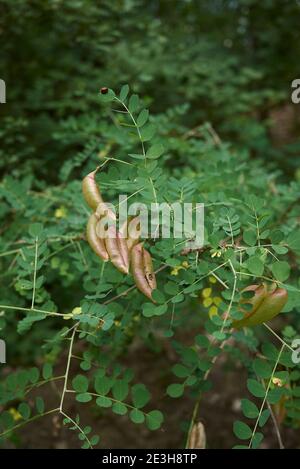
x=266, y=303
x=122, y=248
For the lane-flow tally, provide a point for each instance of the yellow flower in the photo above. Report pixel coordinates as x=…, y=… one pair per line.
x=212, y=279
x=60, y=212
x=207, y=302
x=185, y=264
x=67, y=316
x=217, y=300
x=206, y=292
x=213, y=311
x=176, y=270
x=104, y=152
x=15, y=414
x=76, y=310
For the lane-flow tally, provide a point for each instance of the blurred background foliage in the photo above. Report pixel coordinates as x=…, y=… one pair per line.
x=230, y=62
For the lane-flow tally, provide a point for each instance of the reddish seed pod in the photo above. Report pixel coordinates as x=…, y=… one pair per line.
x=131, y=231
x=259, y=294
x=91, y=192
x=103, y=211
x=96, y=243
x=148, y=269
x=267, y=303
x=117, y=249
x=142, y=270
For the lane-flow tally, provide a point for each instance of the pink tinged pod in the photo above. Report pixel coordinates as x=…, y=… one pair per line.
x=91, y=192
x=97, y=244
x=103, y=212
x=271, y=306
x=131, y=231
x=142, y=270
x=117, y=250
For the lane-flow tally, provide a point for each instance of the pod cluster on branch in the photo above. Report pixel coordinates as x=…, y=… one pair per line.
x=122, y=248
x=266, y=302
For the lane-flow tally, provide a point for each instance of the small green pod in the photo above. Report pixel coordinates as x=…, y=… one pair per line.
x=97, y=244
x=271, y=305
x=90, y=190
x=117, y=249
x=142, y=270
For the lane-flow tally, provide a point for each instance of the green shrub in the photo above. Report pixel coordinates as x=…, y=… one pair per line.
x=63, y=298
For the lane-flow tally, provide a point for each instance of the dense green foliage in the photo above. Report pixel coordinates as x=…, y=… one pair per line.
x=211, y=73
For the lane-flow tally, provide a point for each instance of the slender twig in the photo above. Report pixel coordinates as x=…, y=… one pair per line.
x=197, y=405
x=8, y=253
x=28, y=421
x=124, y=293
x=135, y=124
x=34, y=273
x=67, y=370
x=276, y=426
x=77, y=426
x=19, y=308
x=278, y=337
x=266, y=395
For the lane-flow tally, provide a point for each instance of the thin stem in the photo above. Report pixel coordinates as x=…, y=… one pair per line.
x=231, y=232
x=257, y=228
x=232, y=296
x=135, y=124
x=8, y=253
x=71, y=391
x=34, y=273
x=220, y=281
x=124, y=293
x=28, y=421
x=278, y=337
x=266, y=395
x=41, y=383
x=67, y=370
x=276, y=426
x=77, y=426
x=66, y=376
x=119, y=161
x=197, y=405
x=84, y=261
x=19, y=308
x=198, y=280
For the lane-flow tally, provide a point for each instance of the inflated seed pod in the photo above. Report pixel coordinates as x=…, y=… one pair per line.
x=260, y=292
x=197, y=439
x=94, y=241
x=148, y=269
x=131, y=231
x=90, y=190
x=104, y=210
x=270, y=306
x=117, y=249
x=142, y=270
